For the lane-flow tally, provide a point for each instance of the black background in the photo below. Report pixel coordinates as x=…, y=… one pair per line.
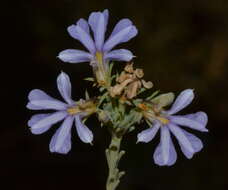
x=181, y=44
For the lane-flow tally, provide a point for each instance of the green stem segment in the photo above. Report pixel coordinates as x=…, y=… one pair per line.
x=114, y=155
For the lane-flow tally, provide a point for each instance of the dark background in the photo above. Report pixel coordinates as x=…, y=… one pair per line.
x=181, y=44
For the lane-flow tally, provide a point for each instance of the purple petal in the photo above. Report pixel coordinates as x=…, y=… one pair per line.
x=80, y=33
x=197, y=121
x=196, y=144
x=185, y=143
x=83, y=131
x=119, y=55
x=64, y=86
x=61, y=141
x=75, y=56
x=165, y=153
x=40, y=100
x=98, y=25
x=200, y=117
x=183, y=100
x=106, y=15
x=148, y=134
x=84, y=25
x=42, y=122
x=123, y=32
x=35, y=119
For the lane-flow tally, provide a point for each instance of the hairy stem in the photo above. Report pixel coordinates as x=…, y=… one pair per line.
x=113, y=155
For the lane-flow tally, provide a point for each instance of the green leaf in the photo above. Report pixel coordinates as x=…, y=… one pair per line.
x=101, y=89
x=141, y=90
x=87, y=95
x=102, y=98
x=110, y=68
x=89, y=79
x=163, y=99
x=153, y=95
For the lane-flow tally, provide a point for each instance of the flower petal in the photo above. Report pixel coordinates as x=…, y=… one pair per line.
x=184, y=141
x=148, y=134
x=64, y=86
x=183, y=100
x=119, y=55
x=61, y=140
x=36, y=118
x=123, y=32
x=40, y=100
x=75, y=56
x=80, y=32
x=106, y=15
x=98, y=25
x=197, y=121
x=41, y=122
x=196, y=144
x=83, y=131
x=165, y=153
x=84, y=25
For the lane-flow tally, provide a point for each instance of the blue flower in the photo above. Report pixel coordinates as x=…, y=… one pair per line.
x=69, y=112
x=99, y=49
x=167, y=122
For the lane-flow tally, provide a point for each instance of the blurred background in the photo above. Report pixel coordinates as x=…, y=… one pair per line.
x=181, y=44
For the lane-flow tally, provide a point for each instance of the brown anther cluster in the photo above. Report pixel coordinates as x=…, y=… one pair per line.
x=143, y=106
x=129, y=83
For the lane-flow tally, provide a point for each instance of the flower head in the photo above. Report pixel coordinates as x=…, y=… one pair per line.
x=69, y=112
x=99, y=48
x=100, y=51
x=167, y=122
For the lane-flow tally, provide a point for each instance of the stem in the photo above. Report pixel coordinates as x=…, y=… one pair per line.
x=114, y=155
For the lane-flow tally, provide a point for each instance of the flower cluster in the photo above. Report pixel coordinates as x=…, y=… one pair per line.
x=121, y=105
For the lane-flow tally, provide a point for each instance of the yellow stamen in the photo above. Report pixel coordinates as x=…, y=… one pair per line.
x=100, y=70
x=163, y=120
x=73, y=110
x=99, y=57
x=87, y=107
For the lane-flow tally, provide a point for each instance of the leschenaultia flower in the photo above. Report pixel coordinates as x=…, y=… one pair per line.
x=100, y=51
x=99, y=48
x=69, y=112
x=167, y=122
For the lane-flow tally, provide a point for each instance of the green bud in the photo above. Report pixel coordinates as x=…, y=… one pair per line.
x=163, y=99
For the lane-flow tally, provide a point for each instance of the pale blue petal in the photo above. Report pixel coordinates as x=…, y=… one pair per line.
x=195, y=142
x=35, y=119
x=200, y=117
x=106, y=15
x=75, y=56
x=148, y=134
x=97, y=23
x=165, y=153
x=183, y=100
x=197, y=121
x=42, y=122
x=123, y=32
x=64, y=86
x=165, y=145
x=83, y=131
x=183, y=140
x=79, y=32
x=61, y=140
x=40, y=100
x=119, y=55
x=84, y=25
